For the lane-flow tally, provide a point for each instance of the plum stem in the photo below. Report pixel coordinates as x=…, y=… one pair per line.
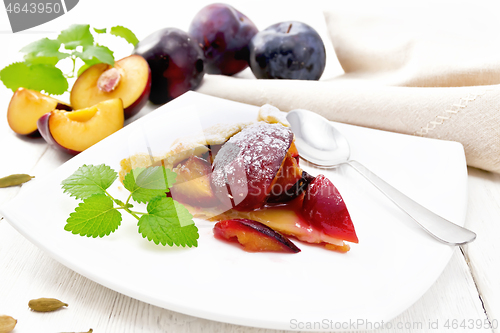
x=289, y=28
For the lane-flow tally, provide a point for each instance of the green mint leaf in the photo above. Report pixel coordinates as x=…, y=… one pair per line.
x=94, y=217
x=76, y=35
x=168, y=222
x=95, y=54
x=146, y=184
x=37, y=77
x=100, y=31
x=89, y=180
x=124, y=33
x=43, y=51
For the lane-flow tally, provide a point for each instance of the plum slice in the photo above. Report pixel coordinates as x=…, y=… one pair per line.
x=247, y=164
x=325, y=209
x=73, y=132
x=27, y=106
x=253, y=236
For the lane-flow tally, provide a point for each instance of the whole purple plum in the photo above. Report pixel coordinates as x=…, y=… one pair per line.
x=176, y=63
x=287, y=50
x=223, y=33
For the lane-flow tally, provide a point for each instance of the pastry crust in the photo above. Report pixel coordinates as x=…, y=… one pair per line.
x=272, y=115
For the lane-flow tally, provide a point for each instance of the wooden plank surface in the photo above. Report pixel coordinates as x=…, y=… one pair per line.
x=27, y=273
x=483, y=255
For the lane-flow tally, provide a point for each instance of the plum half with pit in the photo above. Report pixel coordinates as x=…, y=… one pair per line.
x=287, y=50
x=129, y=79
x=224, y=34
x=176, y=63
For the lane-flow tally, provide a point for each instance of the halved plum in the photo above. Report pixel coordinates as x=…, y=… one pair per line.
x=246, y=165
x=27, y=106
x=129, y=79
x=73, y=132
x=253, y=236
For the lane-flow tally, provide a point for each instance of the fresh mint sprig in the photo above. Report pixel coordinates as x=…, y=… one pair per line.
x=39, y=69
x=166, y=221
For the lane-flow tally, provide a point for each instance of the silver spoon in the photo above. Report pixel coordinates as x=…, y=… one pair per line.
x=319, y=143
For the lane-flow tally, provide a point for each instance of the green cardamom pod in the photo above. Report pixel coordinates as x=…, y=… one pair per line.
x=45, y=304
x=7, y=323
x=14, y=180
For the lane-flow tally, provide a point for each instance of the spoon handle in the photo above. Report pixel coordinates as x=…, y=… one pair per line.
x=440, y=228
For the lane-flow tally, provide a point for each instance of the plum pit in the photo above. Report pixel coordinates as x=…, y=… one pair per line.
x=109, y=80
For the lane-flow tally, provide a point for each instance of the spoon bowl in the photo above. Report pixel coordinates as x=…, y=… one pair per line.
x=321, y=144
x=317, y=141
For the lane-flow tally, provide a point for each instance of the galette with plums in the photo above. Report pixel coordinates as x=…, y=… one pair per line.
x=246, y=177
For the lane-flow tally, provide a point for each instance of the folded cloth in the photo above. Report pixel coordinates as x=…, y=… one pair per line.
x=423, y=79
x=437, y=44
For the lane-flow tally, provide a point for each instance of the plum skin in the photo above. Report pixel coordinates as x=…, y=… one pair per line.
x=224, y=34
x=238, y=179
x=176, y=63
x=36, y=133
x=287, y=50
x=230, y=229
x=44, y=129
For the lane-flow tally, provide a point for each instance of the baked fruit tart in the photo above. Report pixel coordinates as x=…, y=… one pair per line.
x=246, y=177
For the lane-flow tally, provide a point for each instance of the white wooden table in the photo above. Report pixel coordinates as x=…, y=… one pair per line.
x=468, y=290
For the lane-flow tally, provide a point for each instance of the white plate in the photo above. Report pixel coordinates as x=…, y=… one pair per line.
x=392, y=266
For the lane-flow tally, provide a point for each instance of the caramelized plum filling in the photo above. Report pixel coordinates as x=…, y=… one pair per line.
x=286, y=185
x=255, y=176
x=212, y=152
x=192, y=184
x=294, y=152
x=288, y=220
